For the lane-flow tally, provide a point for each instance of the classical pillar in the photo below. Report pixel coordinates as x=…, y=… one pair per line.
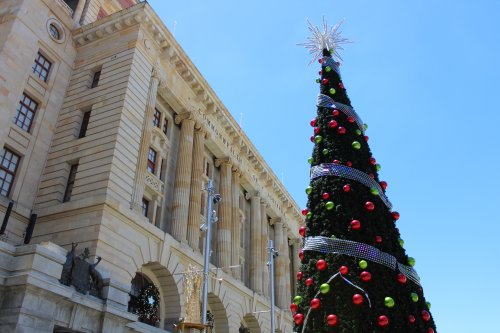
x=297, y=246
x=255, y=245
x=193, y=231
x=224, y=245
x=157, y=78
x=264, y=250
x=287, y=265
x=182, y=185
x=279, y=269
x=235, y=250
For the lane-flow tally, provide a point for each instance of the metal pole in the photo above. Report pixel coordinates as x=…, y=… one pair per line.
x=206, y=255
x=271, y=283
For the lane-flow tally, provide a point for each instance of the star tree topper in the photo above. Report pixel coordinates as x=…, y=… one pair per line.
x=329, y=38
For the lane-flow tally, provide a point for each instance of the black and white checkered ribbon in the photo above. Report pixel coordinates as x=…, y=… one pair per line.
x=330, y=169
x=329, y=62
x=359, y=250
x=327, y=102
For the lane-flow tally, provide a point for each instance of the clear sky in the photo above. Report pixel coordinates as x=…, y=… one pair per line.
x=423, y=74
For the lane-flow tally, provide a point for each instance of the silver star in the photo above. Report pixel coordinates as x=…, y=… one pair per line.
x=327, y=39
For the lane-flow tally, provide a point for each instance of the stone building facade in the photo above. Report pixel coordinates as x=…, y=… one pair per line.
x=108, y=135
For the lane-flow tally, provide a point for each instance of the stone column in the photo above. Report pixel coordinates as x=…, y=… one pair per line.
x=287, y=264
x=264, y=242
x=297, y=246
x=224, y=245
x=255, y=246
x=193, y=231
x=182, y=185
x=235, y=250
x=158, y=78
x=279, y=269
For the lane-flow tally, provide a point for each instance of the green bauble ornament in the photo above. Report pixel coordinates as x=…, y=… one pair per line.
x=325, y=151
x=414, y=297
x=309, y=190
x=428, y=305
x=318, y=138
x=378, y=167
x=330, y=205
x=318, y=80
x=389, y=302
x=374, y=191
x=411, y=261
x=365, y=126
x=332, y=91
x=310, y=160
x=297, y=299
x=356, y=145
x=331, y=51
x=328, y=68
x=401, y=242
x=358, y=132
x=363, y=264
x=309, y=215
x=324, y=288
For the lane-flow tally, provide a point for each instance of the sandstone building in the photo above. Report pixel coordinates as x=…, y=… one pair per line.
x=108, y=135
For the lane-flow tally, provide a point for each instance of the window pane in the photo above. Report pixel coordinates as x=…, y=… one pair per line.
x=41, y=67
x=8, y=167
x=25, y=113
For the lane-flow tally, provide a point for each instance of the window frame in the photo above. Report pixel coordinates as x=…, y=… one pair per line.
x=26, y=111
x=7, y=170
x=70, y=184
x=96, y=77
x=151, y=165
x=85, y=124
x=145, y=207
x=157, y=118
x=40, y=69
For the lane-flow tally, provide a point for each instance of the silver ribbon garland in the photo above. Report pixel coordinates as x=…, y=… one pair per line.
x=327, y=102
x=359, y=250
x=329, y=62
x=330, y=169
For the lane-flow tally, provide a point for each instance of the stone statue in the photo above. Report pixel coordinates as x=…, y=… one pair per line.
x=68, y=266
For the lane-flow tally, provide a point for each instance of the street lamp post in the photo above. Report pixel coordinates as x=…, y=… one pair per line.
x=270, y=263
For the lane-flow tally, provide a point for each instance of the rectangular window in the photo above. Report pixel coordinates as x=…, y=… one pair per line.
x=25, y=112
x=165, y=126
x=8, y=167
x=95, y=79
x=71, y=182
x=157, y=118
x=85, y=124
x=41, y=67
x=152, y=160
x=145, y=207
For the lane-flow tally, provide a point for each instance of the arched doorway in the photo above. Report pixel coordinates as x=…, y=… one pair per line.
x=251, y=323
x=221, y=324
x=145, y=300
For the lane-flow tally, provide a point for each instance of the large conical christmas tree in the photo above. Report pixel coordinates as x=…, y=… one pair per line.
x=355, y=275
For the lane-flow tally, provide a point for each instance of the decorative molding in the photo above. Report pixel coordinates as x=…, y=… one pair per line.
x=223, y=160
x=160, y=74
x=183, y=116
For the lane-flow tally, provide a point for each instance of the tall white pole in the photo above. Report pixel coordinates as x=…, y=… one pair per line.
x=270, y=263
x=206, y=255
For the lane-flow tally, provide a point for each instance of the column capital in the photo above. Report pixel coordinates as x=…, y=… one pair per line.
x=184, y=116
x=159, y=73
x=222, y=161
x=294, y=241
x=276, y=220
x=200, y=130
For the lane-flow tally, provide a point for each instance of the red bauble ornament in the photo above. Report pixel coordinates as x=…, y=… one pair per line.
x=378, y=239
x=298, y=318
x=341, y=130
x=336, y=162
x=301, y=255
x=344, y=270
x=300, y=275
x=325, y=195
x=365, y=276
x=302, y=231
x=320, y=73
x=430, y=330
x=317, y=130
x=369, y=206
x=320, y=60
x=383, y=321
x=411, y=319
x=332, y=124
x=309, y=282
x=373, y=161
x=372, y=176
x=426, y=316
x=313, y=122
x=305, y=211
x=395, y=216
x=383, y=184
x=321, y=265
x=357, y=299
x=346, y=188
x=341, y=85
x=312, y=138
x=335, y=113
x=324, y=81
x=355, y=225
x=315, y=303
x=366, y=138
x=348, y=163
x=332, y=320
x=294, y=307
x=401, y=278
x=350, y=119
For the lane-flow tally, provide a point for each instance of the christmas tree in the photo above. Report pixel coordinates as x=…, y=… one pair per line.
x=355, y=275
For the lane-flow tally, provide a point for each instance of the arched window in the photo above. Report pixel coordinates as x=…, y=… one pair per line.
x=72, y=4
x=145, y=300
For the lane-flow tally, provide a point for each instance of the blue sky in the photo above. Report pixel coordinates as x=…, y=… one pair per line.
x=423, y=75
